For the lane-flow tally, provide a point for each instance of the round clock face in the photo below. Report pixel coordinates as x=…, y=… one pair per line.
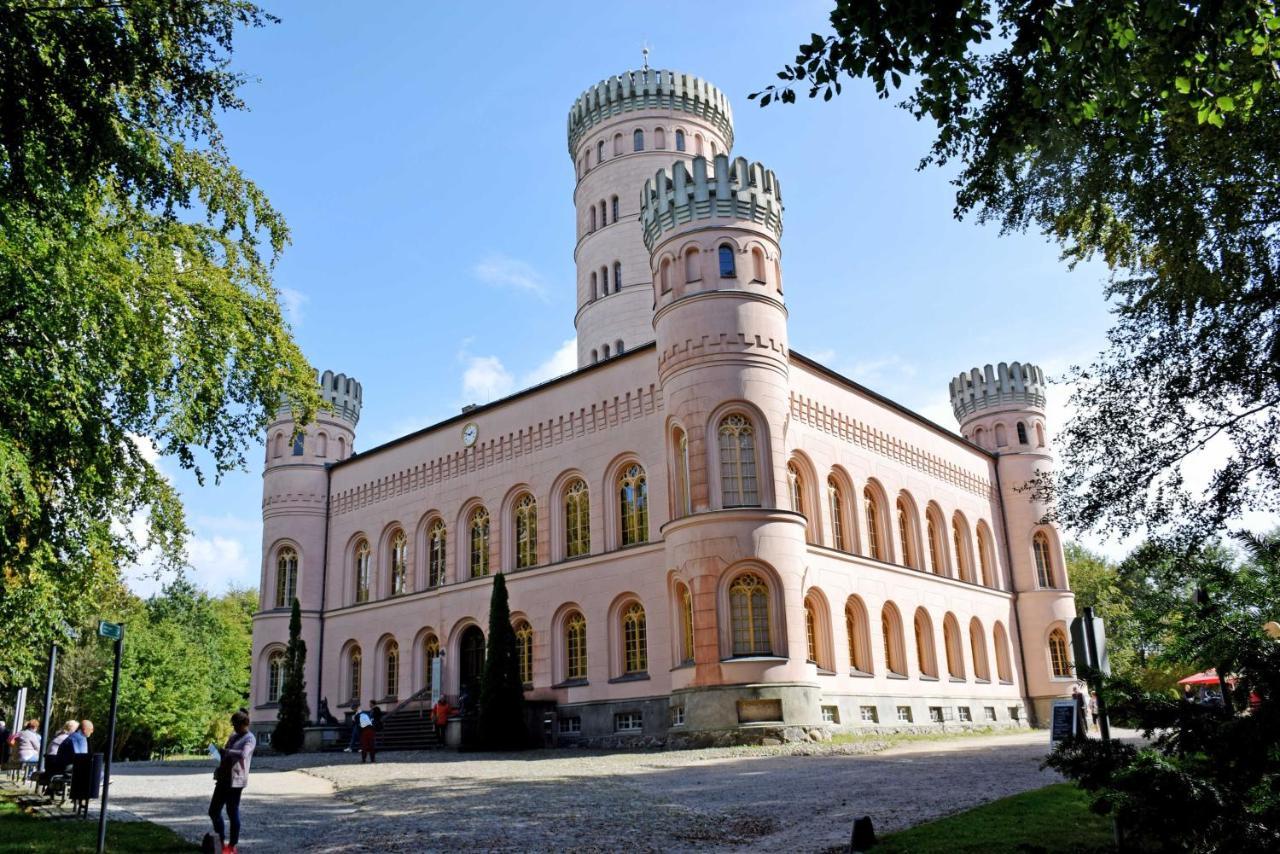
x=469, y=434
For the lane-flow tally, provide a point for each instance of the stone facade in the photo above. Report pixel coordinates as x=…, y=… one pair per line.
x=708, y=537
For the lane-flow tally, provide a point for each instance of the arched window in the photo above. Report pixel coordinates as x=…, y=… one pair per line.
x=524, y=652
x=659, y=138
x=599, y=152
x=275, y=676
x=577, y=519
x=686, y=623
x=1059, y=657
x=978, y=650
x=1039, y=434
x=593, y=218
x=1002, y=438
x=951, y=642
x=613, y=204
x=595, y=355
x=904, y=535
x=858, y=634
x=399, y=563
x=664, y=275
x=363, y=555
x=738, y=485
x=986, y=560
x=637, y=140
x=964, y=565
x=926, y=654
x=279, y=445
x=617, y=144
x=935, y=545
x=683, y=502
x=526, y=514
x=298, y=445
x=749, y=616
x=322, y=444
x=757, y=265
x=354, y=661
x=693, y=265
x=430, y=652
x=1004, y=669
x=697, y=144
x=595, y=287
x=811, y=631
x=980, y=437
x=1022, y=434
x=605, y=349
x=393, y=670
x=342, y=448
x=604, y=214
x=871, y=507
x=286, y=577
x=635, y=644
x=604, y=281
x=435, y=553
x=835, y=504
x=895, y=657
x=679, y=140
x=715, y=149
x=1045, y=575
x=471, y=651
x=479, y=562
x=633, y=493
x=727, y=267
x=575, y=645
x=795, y=488
x=617, y=277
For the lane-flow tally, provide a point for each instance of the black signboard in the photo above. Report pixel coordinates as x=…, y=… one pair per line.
x=1063, y=724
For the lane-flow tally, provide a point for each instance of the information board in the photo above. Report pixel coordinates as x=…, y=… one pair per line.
x=1062, y=725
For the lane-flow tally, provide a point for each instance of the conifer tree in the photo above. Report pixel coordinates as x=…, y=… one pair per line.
x=293, y=712
x=502, y=725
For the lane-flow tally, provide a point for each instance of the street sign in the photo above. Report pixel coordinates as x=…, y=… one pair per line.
x=1080, y=646
x=115, y=631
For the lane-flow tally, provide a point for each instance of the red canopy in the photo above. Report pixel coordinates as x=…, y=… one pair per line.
x=1208, y=677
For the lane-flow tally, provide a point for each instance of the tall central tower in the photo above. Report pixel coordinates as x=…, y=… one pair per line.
x=621, y=131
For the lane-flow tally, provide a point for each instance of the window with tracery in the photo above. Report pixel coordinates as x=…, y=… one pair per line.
x=1045, y=575
x=924, y=645
x=635, y=649
x=436, y=543
x=811, y=631
x=633, y=493
x=286, y=577
x=526, y=532
x=951, y=640
x=524, y=652
x=795, y=488
x=738, y=485
x=430, y=652
x=399, y=563
x=891, y=629
x=978, y=650
x=962, y=551
x=855, y=625
x=984, y=557
x=904, y=535
x=363, y=558
x=935, y=548
x=686, y=623
x=835, y=504
x=749, y=616
x=577, y=519
x=353, y=675
x=275, y=677
x=393, y=670
x=1059, y=657
x=871, y=507
x=683, y=501
x=479, y=560
x=1004, y=667
x=575, y=644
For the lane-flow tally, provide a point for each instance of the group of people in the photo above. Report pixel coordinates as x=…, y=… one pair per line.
x=72, y=739
x=1086, y=709
x=365, y=726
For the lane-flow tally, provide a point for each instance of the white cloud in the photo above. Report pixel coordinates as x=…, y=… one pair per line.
x=825, y=356
x=561, y=362
x=507, y=272
x=485, y=379
x=293, y=302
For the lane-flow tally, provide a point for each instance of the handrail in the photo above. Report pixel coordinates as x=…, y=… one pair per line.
x=424, y=693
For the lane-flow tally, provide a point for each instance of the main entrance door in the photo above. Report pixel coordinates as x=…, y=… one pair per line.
x=472, y=664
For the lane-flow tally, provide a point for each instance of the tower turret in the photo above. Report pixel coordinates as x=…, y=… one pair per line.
x=294, y=509
x=621, y=130
x=1002, y=408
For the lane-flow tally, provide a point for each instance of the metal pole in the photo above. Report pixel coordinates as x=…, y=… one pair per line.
x=111, y=743
x=48, y=705
x=1103, y=724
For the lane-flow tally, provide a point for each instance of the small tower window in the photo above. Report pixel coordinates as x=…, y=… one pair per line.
x=659, y=138
x=637, y=140
x=665, y=276
x=604, y=281
x=595, y=289
x=692, y=265
x=1040, y=435
x=604, y=214
x=697, y=144
x=757, y=265
x=297, y=445
x=605, y=351
x=595, y=356
x=614, y=204
x=679, y=140
x=1022, y=434
x=593, y=218
x=727, y=268
x=599, y=152
x=617, y=144
x=617, y=347
x=617, y=276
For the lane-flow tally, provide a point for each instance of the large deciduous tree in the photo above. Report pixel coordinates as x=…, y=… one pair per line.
x=1144, y=132
x=137, y=312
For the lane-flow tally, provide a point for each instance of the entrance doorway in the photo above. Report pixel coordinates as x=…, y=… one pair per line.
x=471, y=649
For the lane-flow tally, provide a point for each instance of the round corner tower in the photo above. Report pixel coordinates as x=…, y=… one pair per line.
x=620, y=131
x=294, y=509
x=712, y=230
x=1002, y=408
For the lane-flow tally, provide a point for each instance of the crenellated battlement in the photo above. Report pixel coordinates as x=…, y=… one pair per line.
x=737, y=189
x=344, y=393
x=1005, y=385
x=649, y=88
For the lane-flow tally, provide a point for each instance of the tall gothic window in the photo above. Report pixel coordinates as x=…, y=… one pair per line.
x=684, y=505
x=575, y=645
x=635, y=648
x=1044, y=562
x=286, y=577
x=430, y=652
x=363, y=556
x=479, y=563
x=399, y=563
x=925, y=653
x=904, y=535
x=964, y=570
x=954, y=649
x=727, y=267
x=811, y=631
x=935, y=547
x=526, y=532
x=633, y=492
x=686, y=623
x=749, y=616
x=1022, y=434
x=1059, y=657
x=353, y=675
x=637, y=140
x=617, y=281
x=524, y=651
x=891, y=628
x=275, y=676
x=613, y=204
x=859, y=636
x=835, y=504
x=738, y=462
x=393, y=670
x=871, y=507
x=984, y=556
x=435, y=553
x=577, y=519
x=1004, y=668
x=795, y=488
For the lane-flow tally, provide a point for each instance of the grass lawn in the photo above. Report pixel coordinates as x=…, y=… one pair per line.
x=21, y=831
x=1052, y=820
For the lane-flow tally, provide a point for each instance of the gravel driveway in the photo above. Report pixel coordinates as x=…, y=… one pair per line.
x=793, y=798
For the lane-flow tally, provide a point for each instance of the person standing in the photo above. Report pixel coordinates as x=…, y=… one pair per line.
x=75, y=745
x=1082, y=721
x=230, y=778
x=368, y=737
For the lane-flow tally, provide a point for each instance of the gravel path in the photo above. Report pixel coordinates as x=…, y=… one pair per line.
x=801, y=798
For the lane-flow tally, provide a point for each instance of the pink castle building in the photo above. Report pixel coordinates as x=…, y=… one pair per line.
x=706, y=535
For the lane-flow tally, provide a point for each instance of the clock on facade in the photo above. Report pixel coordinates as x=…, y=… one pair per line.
x=469, y=434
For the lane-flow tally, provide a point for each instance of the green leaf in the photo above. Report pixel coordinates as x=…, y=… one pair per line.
x=1182, y=84
x=1226, y=103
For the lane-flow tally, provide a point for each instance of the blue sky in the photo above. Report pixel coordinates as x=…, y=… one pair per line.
x=418, y=152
